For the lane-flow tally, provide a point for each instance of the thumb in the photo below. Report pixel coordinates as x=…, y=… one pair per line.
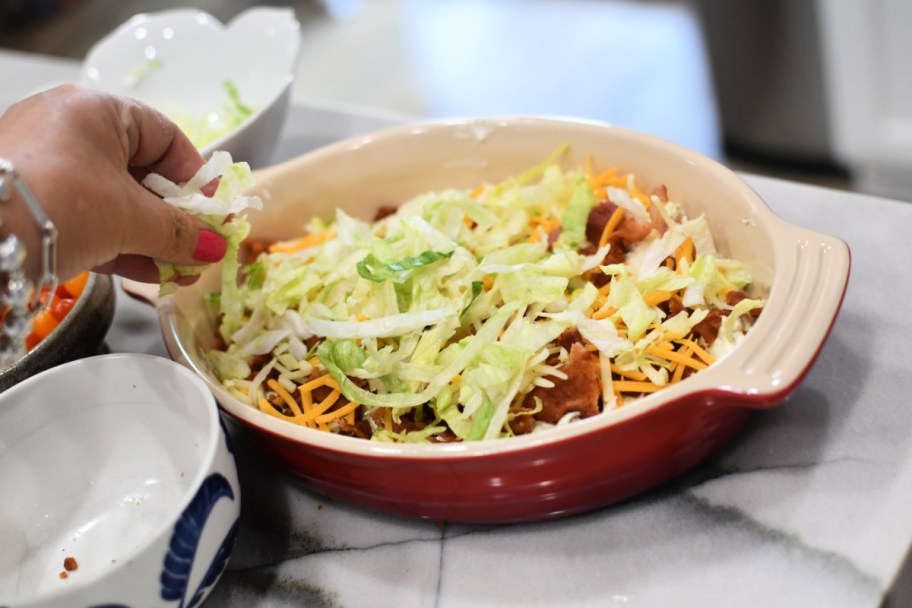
x=169, y=234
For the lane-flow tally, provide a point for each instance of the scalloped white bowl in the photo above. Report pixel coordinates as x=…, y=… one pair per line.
x=257, y=51
x=120, y=462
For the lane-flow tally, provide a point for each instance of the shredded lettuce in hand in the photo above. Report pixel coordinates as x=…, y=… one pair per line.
x=220, y=211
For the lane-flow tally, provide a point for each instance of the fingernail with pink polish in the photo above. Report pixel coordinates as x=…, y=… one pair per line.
x=210, y=247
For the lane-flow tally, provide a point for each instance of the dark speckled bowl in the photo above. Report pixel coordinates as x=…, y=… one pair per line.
x=80, y=334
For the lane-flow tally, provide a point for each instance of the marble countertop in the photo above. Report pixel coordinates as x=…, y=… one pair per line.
x=809, y=506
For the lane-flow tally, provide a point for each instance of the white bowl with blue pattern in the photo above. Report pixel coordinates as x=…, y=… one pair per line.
x=120, y=463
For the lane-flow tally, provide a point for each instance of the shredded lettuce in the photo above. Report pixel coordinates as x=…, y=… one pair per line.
x=443, y=319
x=373, y=269
x=220, y=211
x=203, y=129
x=576, y=214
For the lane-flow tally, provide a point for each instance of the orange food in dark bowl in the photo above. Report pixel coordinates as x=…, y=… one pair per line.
x=73, y=326
x=62, y=302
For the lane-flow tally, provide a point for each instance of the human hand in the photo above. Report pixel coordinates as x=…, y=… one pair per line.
x=83, y=153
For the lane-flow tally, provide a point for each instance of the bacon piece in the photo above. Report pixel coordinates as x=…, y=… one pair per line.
x=630, y=230
x=709, y=327
x=568, y=338
x=553, y=236
x=384, y=211
x=733, y=297
x=662, y=192
x=656, y=219
x=578, y=393
x=522, y=424
x=633, y=230
x=671, y=307
x=251, y=248
x=598, y=217
x=361, y=429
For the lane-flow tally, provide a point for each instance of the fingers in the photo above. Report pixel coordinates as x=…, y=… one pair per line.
x=164, y=233
x=139, y=268
x=136, y=267
x=168, y=234
x=155, y=144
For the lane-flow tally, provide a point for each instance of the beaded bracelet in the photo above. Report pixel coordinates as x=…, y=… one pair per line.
x=20, y=300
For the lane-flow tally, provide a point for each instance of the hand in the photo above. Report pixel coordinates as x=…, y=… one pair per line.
x=83, y=153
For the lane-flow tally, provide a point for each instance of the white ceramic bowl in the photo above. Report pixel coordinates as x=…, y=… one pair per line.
x=120, y=462
x=178, y=61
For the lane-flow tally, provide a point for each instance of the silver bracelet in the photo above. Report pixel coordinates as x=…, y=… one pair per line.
x=20, y=301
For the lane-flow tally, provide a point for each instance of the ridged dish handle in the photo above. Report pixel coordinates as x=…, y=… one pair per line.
x=812, y=272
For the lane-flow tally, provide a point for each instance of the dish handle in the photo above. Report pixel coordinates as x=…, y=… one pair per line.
x=812, y=275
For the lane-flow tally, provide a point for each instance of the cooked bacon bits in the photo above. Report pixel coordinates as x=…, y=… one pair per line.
x=251, y=248
x=384, y=211
x=629, y=231
x=733, y=297
x=632, y=230
x=553, y=236
x=661, y=191
x=568, y=338
x=671, y=307
x=598, y=217
x=578, y=393
x=708, y=328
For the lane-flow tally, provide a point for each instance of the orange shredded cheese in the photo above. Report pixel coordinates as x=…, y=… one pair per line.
x=674, y=356
x=698, y=351
x=604, y=312
x=271, y=410
x=311, y=240
x=325, y=379
x=685, y=251
x=339, y=413
x=633, y=386
x=657, y=297
x=319, y=408
x=611, y=225
x=631, y=374
x=388, y=419
x=678, y=374
x=285, y=395
x=487, y=282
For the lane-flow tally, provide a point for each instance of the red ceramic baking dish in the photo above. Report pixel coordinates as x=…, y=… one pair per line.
x=571, y=468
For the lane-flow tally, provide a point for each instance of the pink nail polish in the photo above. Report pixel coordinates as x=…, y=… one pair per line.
x=210, y=247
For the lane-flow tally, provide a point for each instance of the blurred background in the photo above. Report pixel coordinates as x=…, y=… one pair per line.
x=817, y=91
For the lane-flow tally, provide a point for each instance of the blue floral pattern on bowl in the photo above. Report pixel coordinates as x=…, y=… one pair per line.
x=185, y=539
